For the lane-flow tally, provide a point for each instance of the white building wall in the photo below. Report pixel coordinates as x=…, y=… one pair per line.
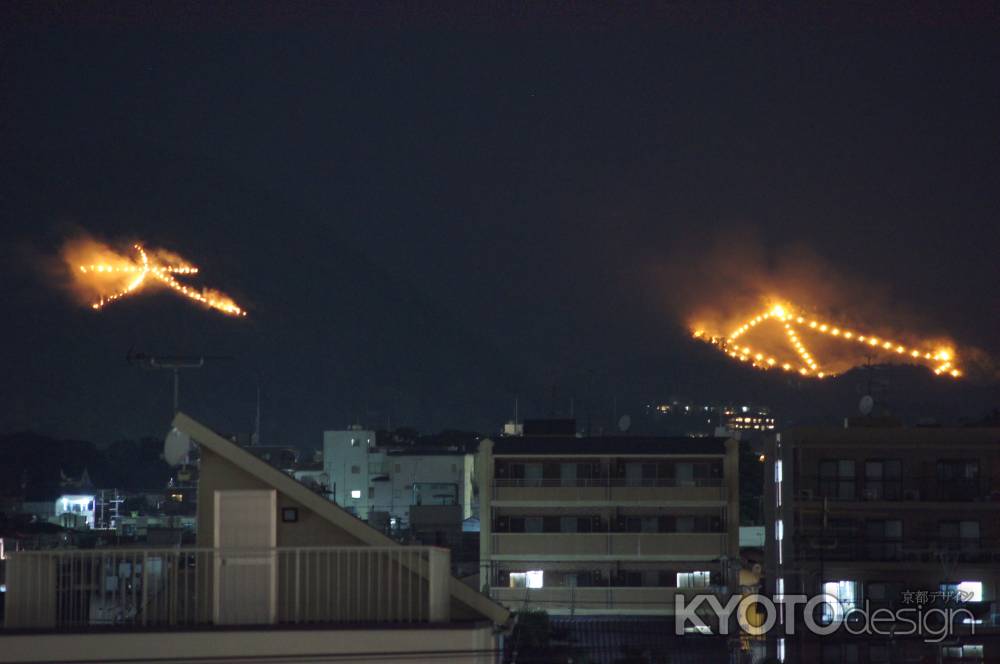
x=357, y=472
x=407, y=470
x=346, y=462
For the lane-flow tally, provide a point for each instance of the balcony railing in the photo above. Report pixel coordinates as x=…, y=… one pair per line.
x=604, y=482
x=641, y=599
x=850, y=547
x=698, y=545
x=911, y=489
x=147, y=588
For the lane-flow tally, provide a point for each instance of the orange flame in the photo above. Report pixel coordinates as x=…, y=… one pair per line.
x=941, y=360
x=106, y=263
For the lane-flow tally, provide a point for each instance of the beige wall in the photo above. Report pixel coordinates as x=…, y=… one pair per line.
x=218, y=474
x=449, y=644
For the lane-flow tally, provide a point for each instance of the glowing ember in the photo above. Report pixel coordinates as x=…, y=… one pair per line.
x=145, y=267
x=941, y=360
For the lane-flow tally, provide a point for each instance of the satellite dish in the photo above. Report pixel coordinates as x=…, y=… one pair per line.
x=624, y=423
x=865, y=405
x=176, y=447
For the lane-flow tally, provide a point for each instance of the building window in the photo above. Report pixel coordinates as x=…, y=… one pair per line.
x=970, y=652
x=883, y=479
x=837, y=479
x=693, y=579
x=882, y=593
x=354, y=442
x=846, y=592
x=963, y=591
x=878, y=653
x=568, y=524
x=884, y=539
x=959, y=535
x=529, y=579
x=356, y=494
x=371, y=493
x=840, y=653
x=958, y=479
x=355, y=470
x=950, y=470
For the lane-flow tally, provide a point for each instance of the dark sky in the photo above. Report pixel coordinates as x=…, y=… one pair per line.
x=425, y=220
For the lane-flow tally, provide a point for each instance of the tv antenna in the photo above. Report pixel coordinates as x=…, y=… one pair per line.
x=624, y=423
x=865, y=405
x=173, y=363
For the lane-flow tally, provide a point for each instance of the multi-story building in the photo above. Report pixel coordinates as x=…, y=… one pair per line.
x=607, y=525
x=887, y=517
x=367, y=479
x=346, y=458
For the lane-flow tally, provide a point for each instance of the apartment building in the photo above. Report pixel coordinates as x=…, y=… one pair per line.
x=607, y=525
x=887, y=517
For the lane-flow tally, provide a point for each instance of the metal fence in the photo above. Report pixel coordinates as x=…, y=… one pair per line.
x=145, y=588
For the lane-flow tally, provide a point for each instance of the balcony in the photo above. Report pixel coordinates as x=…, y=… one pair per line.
x=563, y=599
x=852, y=547
x=605, y=490
x=675, y=546
x=910, y=489
x=186, y=588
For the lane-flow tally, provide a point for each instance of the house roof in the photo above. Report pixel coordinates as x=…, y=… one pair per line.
x=614, y=445
x=322, y=507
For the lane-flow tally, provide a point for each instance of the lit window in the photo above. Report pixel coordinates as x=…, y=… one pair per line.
x=529, y=579
x=964, y=591
x=777, y=470
x=693, y=579
x=845, y=591
x=356, y=494
x=973, y=652
x=779, y=530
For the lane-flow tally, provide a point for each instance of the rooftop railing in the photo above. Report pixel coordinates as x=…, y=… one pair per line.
x=184, y=588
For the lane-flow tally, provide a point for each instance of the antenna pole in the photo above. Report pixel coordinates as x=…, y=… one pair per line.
x=256, y=423
x=173, y=363
x=177, y=379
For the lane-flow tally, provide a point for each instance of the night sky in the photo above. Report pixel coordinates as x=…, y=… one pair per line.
x=428, y=215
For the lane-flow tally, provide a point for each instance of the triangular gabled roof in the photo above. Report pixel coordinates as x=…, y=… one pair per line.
x=322, y=507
